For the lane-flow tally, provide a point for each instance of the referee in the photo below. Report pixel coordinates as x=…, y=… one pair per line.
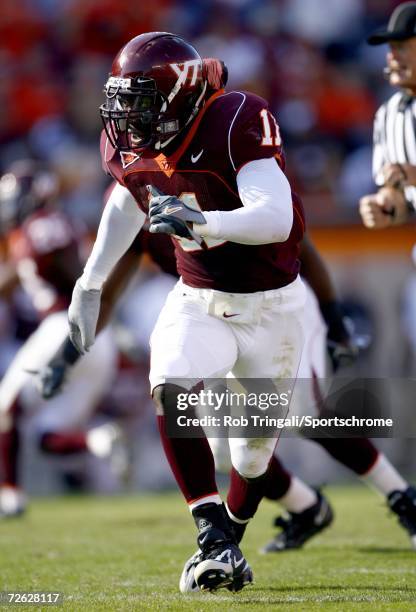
x=394, y=137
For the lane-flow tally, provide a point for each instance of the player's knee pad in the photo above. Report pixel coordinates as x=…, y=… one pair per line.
x=221, y=452
x=251, y=456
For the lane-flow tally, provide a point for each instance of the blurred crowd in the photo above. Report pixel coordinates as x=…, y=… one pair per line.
x=308, y=58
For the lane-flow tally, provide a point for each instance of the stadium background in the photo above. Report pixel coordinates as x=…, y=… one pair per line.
x=310, y=60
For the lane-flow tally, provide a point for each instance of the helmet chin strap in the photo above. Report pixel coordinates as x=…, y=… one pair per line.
x=161, y=145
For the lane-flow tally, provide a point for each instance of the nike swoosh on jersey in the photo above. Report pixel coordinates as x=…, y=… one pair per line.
x=194, y=158
x=228, y=316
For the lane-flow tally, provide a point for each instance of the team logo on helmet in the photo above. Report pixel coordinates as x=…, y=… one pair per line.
x=155, y=89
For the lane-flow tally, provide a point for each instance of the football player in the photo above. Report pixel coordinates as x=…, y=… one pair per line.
x=207, y=167
x=44, y=258
x=308, y=511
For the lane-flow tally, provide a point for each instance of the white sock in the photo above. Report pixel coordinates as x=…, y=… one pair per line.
x=299, y=496
x=384, y=477
x=208, y=499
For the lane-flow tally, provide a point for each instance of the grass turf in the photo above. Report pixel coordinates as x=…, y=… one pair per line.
x=127, y=553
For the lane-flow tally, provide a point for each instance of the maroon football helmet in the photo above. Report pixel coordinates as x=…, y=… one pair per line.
x=155, y=88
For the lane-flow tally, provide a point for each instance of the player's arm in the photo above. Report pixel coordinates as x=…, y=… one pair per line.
x=341, y=344
x=267, y=212
x=121, y=221
x=315, y=271
x=266, y=215
x=115, y=286
x=52, y=377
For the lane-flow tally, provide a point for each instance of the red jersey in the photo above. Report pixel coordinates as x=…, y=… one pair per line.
x=160, y=249
x=231, y=130
x=46, y=252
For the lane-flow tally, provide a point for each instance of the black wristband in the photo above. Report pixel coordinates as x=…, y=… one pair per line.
x=69, y=352
x=331, y=311
x=333, y=314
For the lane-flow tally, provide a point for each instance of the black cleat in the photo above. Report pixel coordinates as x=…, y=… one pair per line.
x=403, y=503
x=219, y=563
x=222, y=566
x=187, y=582
x=300, y=527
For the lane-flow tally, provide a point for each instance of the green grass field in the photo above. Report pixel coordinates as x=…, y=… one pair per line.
x=127, y=553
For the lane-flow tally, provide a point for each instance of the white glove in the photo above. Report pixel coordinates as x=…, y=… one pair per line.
x=83, y=316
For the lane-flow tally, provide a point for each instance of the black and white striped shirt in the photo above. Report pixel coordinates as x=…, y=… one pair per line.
x=394, y=137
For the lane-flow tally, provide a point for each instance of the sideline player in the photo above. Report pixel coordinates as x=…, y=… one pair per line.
x=236, y=227
x=44, y=248
x=394, y=138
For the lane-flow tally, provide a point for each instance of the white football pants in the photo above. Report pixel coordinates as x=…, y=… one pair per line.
x=202, y=333
x=314, y=360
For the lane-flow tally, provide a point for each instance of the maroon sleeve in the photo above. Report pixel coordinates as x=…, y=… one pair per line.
x=254, y=134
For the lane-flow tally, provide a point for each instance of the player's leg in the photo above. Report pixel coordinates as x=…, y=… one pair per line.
x=62, y=422
x=281, y=486
x=362, y=457
x=272, y=353
x=187, y=346
x=359, y=454
x=12, y=498
x=35, y=352
x=308, y=512
x=33, y=355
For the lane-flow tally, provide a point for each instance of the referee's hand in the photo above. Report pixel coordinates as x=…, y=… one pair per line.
x=383, y=209
x=394, y=175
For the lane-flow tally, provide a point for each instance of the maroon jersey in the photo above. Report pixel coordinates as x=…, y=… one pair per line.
x=231, y=130
x=46, y=252
x=160, y=249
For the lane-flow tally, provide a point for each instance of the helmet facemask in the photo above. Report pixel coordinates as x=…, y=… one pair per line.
x=136, y=114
